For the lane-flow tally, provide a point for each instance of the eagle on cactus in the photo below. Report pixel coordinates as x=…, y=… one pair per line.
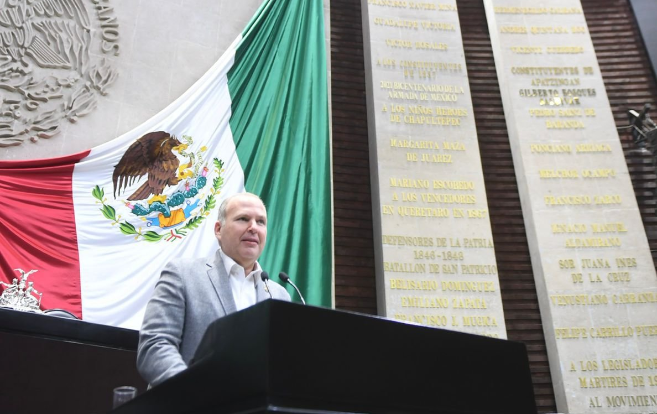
x=150, y=155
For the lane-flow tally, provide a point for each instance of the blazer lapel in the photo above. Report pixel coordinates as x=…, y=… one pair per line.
x=219, y=279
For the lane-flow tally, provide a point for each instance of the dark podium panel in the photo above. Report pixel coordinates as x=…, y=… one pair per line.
x=55, y=365
x=287, y=358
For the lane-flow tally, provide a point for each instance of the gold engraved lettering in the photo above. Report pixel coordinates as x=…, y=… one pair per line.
x=403, y=95
x=542, y=113
x=603, y=382
x=537, y=10
x=548, y=30
x=612, y=332
x=413, y=144
x=634, y=298
x=629, y=364
x=570, y=112
x=478, y=269
x=422, y=6
x=406, y=211
x=567, y=200
x=479, y=321
x=646, y=330
x=406, y=284
x=406, y=44
x=444, y=111
x=407, y=241
x=565, y=50
x=431, y=65
x=593, y=242
x=388, y=3
x=537, y=93
x=421, y=87
x=566, y=264
x=438, y=26
x=592, y=148
x=607, y=199
x=469, y=303
x=409, y=183
x=550, y=148
x=476, y=243
x=558, y=174
x=436, y=158
x=424, y=302
x=447, y=7
x=453, y=185
x=581, y=300
x=521, y=10
x=564, y=124
x=428, y=320
x=399, y=23
x=622, y=262
x=619, y=277
x=568, y=228
x=595, y=264
x=556, y=82
x=570, y=333
x=599, y=173
x=588, y=92
x=545, y=70
x=404, y=267
x=448, y=198
x=622, y=401
x=467, y=286
x=513, y=29
x=565, y=10
x=527, y=50
x=477, y=213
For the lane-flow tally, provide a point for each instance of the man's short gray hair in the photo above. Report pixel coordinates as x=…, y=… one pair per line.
x=221, y=217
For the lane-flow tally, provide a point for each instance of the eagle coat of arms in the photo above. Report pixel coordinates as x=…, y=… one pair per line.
x=175, y=196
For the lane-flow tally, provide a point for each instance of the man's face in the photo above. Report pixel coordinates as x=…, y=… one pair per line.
x=243, y=235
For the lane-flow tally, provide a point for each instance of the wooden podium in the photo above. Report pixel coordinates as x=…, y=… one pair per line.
x=55, y=365
x=287, y=358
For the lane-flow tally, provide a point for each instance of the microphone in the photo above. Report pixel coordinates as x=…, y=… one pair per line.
x=265, y=277
x=285, y=278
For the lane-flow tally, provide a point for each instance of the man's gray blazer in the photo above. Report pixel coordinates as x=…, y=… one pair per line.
x=190, y=294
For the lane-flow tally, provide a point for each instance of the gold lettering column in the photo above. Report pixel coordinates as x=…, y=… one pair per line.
x=594, y=273
x=435, y=254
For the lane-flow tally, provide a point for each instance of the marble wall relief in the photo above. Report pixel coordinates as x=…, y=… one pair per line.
x=56, y=61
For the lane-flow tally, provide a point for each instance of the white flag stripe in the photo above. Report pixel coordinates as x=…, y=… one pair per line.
x=118, y=271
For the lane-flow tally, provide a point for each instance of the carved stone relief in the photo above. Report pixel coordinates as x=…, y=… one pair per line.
x=53, y=64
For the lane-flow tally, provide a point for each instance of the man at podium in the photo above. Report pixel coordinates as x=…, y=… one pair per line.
x=192, y=293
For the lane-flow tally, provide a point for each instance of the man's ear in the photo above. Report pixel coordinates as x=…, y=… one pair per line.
x=217, y=228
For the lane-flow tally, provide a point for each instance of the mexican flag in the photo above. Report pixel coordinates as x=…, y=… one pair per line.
x=99, y=226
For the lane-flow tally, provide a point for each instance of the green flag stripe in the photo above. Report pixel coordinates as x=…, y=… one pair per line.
x=279, y=95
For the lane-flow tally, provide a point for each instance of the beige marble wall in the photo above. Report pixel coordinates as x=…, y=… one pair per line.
x=594, y=272
x=435, y=255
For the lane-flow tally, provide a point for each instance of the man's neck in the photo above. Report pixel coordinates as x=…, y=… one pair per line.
x=229, y=262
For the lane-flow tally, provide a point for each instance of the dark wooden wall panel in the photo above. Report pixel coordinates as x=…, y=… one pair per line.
x=518, y=289
x=354, y=251
x=629, y=83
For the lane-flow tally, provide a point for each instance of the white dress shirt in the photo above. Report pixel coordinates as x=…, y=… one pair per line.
x=243, y=286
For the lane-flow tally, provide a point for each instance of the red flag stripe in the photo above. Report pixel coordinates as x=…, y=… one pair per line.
x=37, y=228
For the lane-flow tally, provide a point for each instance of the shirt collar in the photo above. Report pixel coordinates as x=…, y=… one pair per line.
x=229, y=264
